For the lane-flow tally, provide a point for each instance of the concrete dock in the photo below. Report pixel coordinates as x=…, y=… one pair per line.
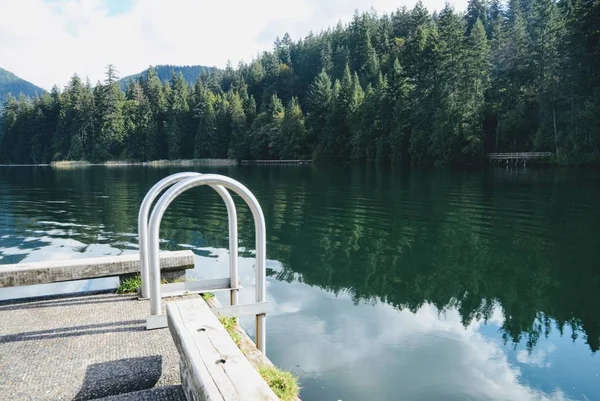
x=85, y=347
x=96, y=346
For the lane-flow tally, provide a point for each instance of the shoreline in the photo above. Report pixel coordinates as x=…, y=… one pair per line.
x=125, y=163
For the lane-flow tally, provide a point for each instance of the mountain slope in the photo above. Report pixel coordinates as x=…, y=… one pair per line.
x=190, y=73
x=10, y=83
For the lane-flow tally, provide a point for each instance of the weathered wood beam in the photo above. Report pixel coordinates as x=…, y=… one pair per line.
x=81, y=269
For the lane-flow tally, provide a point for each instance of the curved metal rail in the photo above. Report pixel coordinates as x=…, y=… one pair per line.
x=143, y=232
x=214, y=180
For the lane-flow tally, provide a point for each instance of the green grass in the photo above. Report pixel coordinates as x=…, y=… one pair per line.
x=284, y=384
x=229, y=323
x=129, y=285
x=207, y=295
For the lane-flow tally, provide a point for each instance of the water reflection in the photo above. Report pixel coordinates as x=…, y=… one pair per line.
x=365, y=351
x=467, y=285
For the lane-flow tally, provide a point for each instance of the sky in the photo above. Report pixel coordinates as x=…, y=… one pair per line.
x=47, y=41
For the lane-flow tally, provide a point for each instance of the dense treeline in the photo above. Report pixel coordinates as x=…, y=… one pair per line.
x=410, y=87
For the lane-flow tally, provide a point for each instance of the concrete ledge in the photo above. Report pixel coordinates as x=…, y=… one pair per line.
x=80, y=269
x=212, y=366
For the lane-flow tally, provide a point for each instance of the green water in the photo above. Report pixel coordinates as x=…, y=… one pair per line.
x=387, y=284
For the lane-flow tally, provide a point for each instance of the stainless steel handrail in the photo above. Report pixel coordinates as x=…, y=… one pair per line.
x=163, y=203
x=143, y=231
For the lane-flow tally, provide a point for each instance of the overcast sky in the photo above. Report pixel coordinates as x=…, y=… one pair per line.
x=46, y=41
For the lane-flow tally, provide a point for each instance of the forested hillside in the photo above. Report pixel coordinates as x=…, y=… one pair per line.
x=164, y=73
x=10, y=83
x=410, y=87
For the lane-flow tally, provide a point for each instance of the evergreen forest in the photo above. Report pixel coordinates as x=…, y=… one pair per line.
x=410, y=87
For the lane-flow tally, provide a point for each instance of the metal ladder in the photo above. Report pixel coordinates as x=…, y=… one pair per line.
x=148, y=231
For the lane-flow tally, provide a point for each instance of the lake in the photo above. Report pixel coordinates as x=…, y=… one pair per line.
x=387, y=284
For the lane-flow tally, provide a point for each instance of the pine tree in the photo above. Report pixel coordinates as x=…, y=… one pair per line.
x=76, y=132
x=518, y=120
x=447, y=137
x=400, y=127
x=248, y=103
x=177, y=131
x=423, y=66
x=419, y=16
x=153, y=89
x=499, y=84
x=205, y=118
x=139, y=124
x=326, y=58
x=363, y=137
x=341, y=58
x=266, y=130
x=294, y=138
x=240, y=140
x=348, y=96
x=109, y=123
x=476, y=10
x=475, y=87
x=319, y=100
x=10, y=129
x=547, y=32
x=221, y=139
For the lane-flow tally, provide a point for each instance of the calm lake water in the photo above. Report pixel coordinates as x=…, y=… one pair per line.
x=387, y=284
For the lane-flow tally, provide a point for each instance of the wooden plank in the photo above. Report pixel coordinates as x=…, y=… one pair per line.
x=205, y=342
x=80, y=269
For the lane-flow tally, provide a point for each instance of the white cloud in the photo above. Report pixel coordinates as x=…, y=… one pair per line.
x=45, y=42
x=354, y=349
x=538, y=357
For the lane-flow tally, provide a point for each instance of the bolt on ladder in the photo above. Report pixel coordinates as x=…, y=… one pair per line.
x=149, y=228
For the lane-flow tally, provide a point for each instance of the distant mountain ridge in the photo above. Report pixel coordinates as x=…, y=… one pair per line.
x=10, y=83
x=164, y=72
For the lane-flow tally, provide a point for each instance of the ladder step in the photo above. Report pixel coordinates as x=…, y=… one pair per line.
x=195, y=287
x=257, y=308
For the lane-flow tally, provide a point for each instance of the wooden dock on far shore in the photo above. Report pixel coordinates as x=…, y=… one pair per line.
x=517, y=157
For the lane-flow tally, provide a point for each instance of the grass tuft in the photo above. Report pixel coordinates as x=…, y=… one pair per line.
x=284, y=384
x=207, y=295
x=129, y=285
x=229, y=323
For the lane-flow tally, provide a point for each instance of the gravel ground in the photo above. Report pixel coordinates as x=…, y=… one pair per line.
x=85, y=347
